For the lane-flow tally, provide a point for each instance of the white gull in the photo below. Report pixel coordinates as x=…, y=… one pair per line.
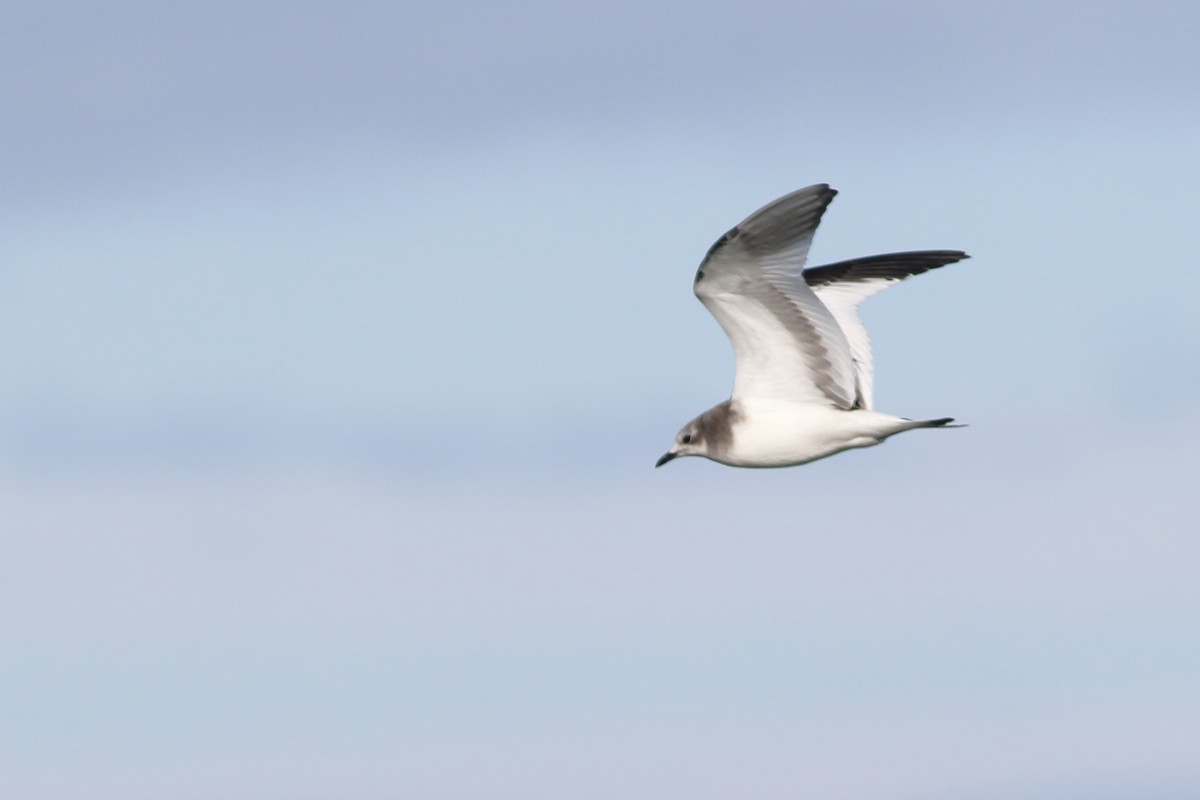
x=802, y=388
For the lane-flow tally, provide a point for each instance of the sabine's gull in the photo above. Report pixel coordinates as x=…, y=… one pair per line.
x=802, y=386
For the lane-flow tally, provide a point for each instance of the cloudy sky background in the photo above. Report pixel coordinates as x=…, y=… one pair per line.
x=340, y=340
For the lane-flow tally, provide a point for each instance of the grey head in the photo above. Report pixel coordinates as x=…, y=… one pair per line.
x=709, y=435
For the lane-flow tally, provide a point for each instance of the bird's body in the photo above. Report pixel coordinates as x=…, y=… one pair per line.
x=786, y=434
x=803, y=385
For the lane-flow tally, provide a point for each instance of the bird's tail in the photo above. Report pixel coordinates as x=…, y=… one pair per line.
x=941, y=422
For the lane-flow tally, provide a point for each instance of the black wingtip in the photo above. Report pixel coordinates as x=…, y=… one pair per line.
x=887, y=266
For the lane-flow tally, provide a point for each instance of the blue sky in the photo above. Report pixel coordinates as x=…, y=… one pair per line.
x=341, y=340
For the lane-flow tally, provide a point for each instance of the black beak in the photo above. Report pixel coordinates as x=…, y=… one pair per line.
x=666, y=457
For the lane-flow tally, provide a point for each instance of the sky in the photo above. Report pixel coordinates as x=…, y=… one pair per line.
x=341, y=340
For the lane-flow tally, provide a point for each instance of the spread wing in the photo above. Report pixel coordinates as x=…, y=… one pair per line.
x=787, y=344
x=842, y=286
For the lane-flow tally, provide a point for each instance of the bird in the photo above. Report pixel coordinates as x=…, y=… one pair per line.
x=802, y=387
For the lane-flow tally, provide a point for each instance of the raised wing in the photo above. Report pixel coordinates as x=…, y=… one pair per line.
x=788, y=345
x=842, y=286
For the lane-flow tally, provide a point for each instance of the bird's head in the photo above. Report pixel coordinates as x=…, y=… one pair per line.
x=688, y=442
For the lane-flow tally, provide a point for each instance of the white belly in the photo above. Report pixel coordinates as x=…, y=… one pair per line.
x=781, y=435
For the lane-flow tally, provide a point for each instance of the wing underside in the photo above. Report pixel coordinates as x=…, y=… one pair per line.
x=787, y=343
x=844, y=285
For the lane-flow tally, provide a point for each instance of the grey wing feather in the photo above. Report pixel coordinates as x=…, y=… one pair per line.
x=788, y=345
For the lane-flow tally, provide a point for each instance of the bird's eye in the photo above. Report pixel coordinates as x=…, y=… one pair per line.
x=687, y=438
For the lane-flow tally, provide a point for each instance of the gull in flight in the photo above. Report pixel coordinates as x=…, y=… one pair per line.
x=802, y=387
